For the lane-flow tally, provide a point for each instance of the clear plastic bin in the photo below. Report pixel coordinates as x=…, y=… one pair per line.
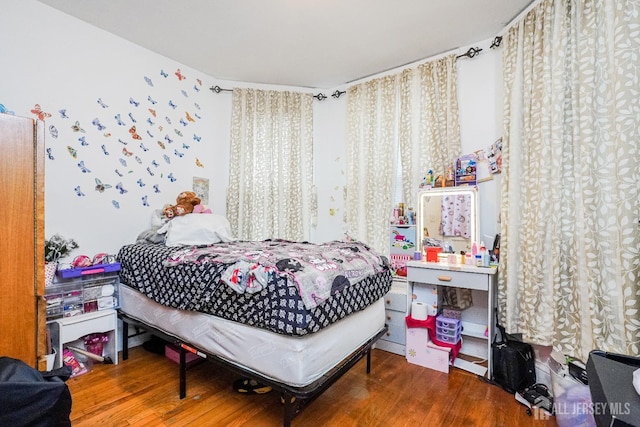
x=572, y=399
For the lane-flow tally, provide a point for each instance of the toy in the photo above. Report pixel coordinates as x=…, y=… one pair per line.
x=185, y=202
x=201, y=209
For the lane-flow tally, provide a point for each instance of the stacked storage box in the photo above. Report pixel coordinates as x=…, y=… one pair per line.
x=448, y=330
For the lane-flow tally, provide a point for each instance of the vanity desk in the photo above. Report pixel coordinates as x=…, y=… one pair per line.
x=478, y=321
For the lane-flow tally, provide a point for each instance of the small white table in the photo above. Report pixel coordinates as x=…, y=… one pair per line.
x=69, y=329
x=478, y=321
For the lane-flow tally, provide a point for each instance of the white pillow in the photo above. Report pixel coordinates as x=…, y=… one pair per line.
x=197, y=229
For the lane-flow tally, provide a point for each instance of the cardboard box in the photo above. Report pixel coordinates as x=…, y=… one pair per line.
x=421, y=351
x=172, y=353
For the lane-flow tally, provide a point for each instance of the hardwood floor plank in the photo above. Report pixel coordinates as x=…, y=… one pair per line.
x=143, y=391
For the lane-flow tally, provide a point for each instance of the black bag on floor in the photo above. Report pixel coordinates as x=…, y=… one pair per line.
x=32, y=398
x=513, y=362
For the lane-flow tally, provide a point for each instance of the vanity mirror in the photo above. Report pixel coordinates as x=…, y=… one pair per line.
x=448, y=214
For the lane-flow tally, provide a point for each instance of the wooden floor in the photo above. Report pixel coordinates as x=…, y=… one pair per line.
x=143, y=391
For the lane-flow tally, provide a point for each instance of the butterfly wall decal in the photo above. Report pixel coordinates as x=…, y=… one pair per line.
x=53, y=131
x=39, y=113
x=96, y=123
x=78, y=191
x=50, y=154
x=134, y=134
x=199, y=163
x=148, y=80
x=76, y=127
x=83, y=168
x=163, y=74
x=133, y=102
x=151, y=100
x=144, y=201
x=63, y=113
x=119, y=120
x=196, y=138
x=102, y=104
x=127, y=152
x=120, y=188
x=171, y=177
x=189, y=117
x=72, y=151
x=100, y=186
x=179, y=74
x=152, y=111
x=104, y=150
x=115, y=204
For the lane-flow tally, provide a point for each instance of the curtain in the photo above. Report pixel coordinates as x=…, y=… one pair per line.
x=440, y=142
x=382, y=124
x=371, y=138
x=271, y=192
x=569, y=270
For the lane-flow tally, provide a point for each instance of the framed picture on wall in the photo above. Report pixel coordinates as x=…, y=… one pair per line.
x=201, y=188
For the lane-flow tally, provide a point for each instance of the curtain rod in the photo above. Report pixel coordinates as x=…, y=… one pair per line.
x=320, y=96
x=473, y=51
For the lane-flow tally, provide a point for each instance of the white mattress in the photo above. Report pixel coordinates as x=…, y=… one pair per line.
x=297, y=361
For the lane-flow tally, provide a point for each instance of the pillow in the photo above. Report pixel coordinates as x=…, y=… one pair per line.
x=150, y=236
x=197, y=229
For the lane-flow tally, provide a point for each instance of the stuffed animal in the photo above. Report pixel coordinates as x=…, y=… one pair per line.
x=201, y=209
x=185, y=202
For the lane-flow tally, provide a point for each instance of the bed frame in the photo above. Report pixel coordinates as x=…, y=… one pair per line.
x=294, y=398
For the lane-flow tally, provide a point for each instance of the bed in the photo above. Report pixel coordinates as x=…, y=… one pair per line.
x=292, y=315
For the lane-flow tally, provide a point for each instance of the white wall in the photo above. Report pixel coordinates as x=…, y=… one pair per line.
x=60, y=63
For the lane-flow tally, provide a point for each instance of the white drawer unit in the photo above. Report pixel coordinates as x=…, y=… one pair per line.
x=395, y=312
x=478, y=321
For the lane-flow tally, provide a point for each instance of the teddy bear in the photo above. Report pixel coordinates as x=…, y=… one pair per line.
x=185, y=202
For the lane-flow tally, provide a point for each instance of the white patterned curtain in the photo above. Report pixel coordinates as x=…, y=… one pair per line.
x=371, y=138
x=271, y=192
x=570, y=268
x=439, y=143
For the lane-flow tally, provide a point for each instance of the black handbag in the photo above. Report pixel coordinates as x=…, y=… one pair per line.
x=513, y=362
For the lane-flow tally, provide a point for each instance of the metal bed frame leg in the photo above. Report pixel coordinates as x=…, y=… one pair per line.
x=183, y=373
x=287, y=398
x=369, y=361
x=125, y=340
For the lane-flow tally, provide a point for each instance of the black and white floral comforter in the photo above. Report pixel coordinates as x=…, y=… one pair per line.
x=191, y=279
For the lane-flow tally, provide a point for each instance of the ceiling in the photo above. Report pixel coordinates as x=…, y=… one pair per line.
x=305, y=43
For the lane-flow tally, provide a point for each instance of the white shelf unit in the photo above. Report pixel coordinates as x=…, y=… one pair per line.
x=69, y=329
x=478, y=321
x=80, y=306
